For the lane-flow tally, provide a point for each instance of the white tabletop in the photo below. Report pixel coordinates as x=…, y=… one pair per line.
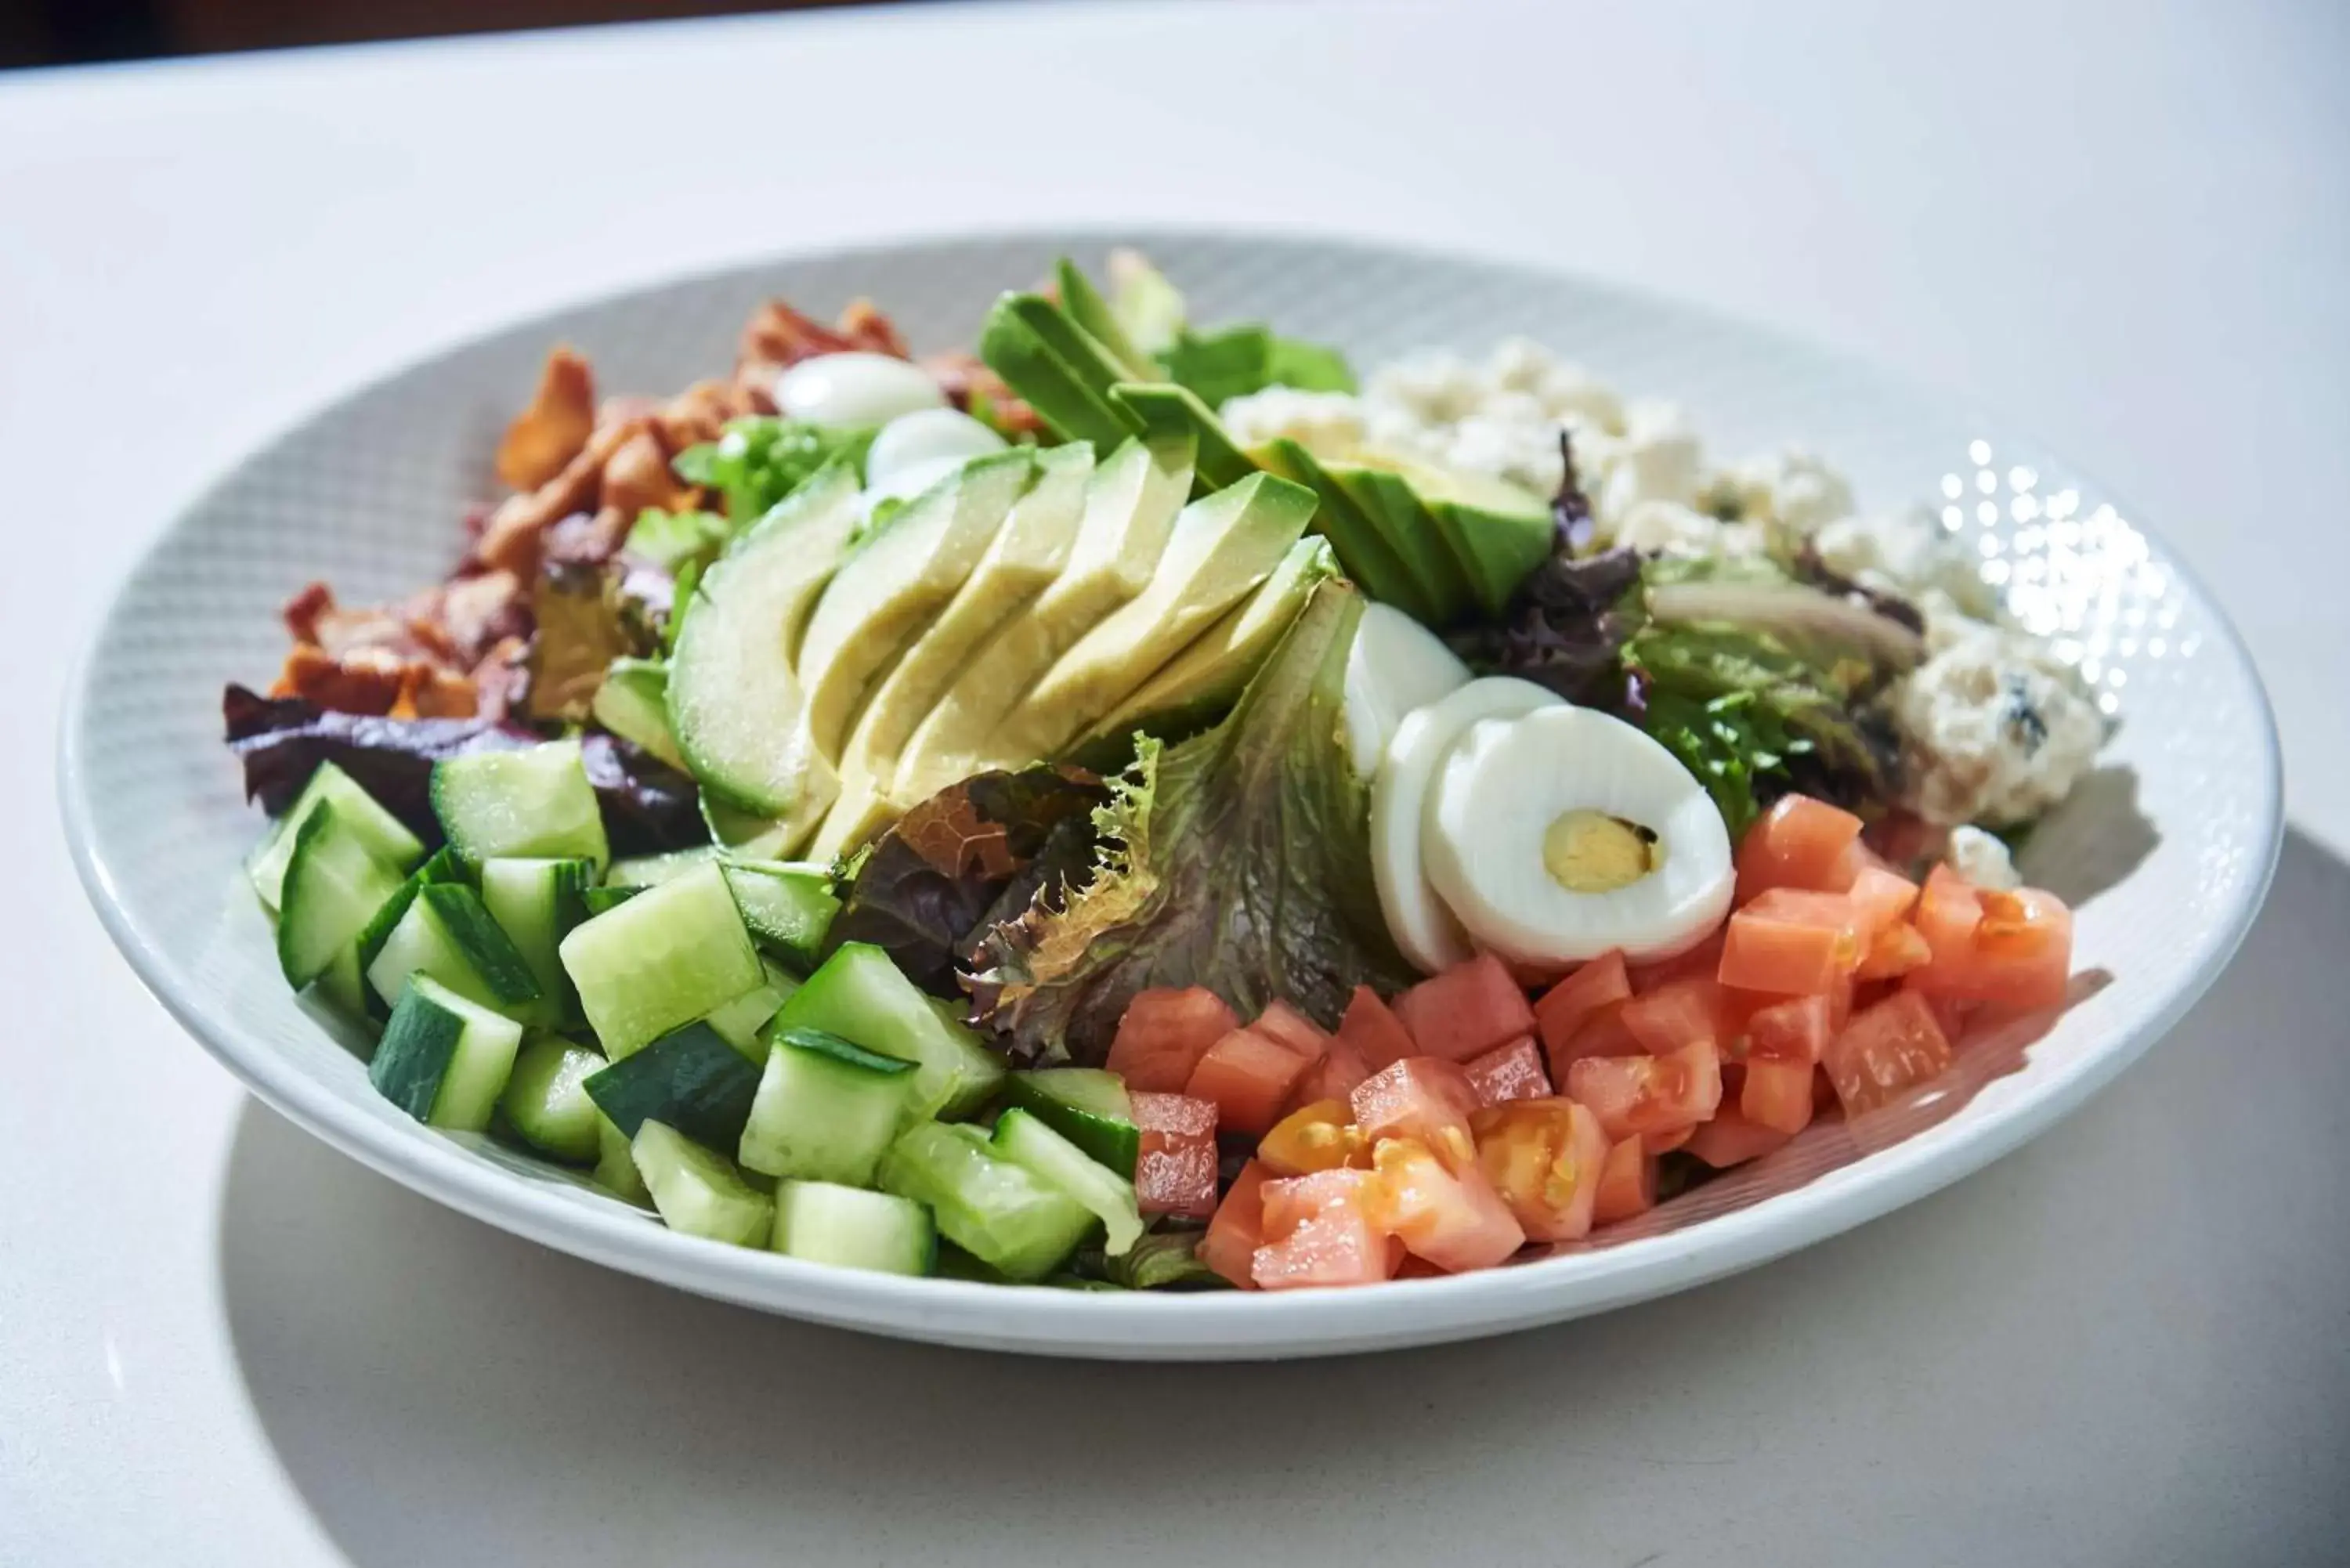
x=2126, y=226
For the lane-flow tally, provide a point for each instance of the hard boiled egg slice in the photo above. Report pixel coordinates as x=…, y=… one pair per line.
x=1423, y=929
x=922, y=439
x=1394, y=665
x=848, y=390
x=1563, y=832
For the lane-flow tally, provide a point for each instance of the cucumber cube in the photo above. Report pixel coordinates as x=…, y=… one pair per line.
x=826, y=1110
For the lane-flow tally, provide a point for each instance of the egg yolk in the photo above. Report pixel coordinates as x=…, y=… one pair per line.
x=1591, y=851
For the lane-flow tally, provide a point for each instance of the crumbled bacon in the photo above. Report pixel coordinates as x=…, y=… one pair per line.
x=866, y=327
x=637, y=477
x=973, y=386
x=511, y=539
x=551, y=432
x=475, y=613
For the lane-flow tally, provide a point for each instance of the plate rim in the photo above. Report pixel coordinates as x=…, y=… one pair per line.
x=1137, y=1325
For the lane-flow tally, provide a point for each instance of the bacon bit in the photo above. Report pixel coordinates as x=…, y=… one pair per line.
x=580, y=540
x=637, y=476
x=968, y=380
x=428, y=691
x=779, y=337
x=366, y=682
x=550, y=432
x=510, y=540
x=700, y=413
x=475, y=613
x=302, y=611
x=864, y=327
x=500, y=677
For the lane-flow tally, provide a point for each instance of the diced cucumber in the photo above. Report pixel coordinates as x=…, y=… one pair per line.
x=616, y=1168
x=826, y=1110
x=334, y=883
x=652, y=870
x=536, y=901
x=633, y=704
x=668, y=956
x=692, y=1080
x=445, y=866
x=860, y=995
x=697, y=1192
x=1087, y=1105
x=343, y=987
x=547, y=1100
x=1027, y=1142
x=448, y=935
x=595, y=900
x=740, y=1020
x=366, y=821
x=824, y=1222
x=787, y=905
x=445, y=1060
x=747, y=833
x=533, y=801
x=999, y=1212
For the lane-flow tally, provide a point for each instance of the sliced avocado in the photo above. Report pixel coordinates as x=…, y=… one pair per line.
x=1223, y=546
x=1410, y=533
x=1195, y=688
x=894, y=582
x=1091, y=312
x=1027, y=554
x=1362, y=549
x=1499, y=531
x=1162, y=408
x=1068, y=402
x=633, y=704
x=1145, y=303
x=1130, y=504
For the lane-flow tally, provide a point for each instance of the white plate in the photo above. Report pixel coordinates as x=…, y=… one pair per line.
x=2177, y=832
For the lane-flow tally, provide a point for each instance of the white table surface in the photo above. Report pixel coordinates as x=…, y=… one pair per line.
x=2127, y=225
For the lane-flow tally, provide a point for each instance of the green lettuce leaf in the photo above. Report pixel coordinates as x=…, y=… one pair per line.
x=1238, y=860
x=759, y=461
x=670, y=539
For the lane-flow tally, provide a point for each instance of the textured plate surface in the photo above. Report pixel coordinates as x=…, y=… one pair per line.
x=2172, y=839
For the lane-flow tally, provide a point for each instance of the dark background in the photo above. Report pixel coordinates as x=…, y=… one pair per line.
x=65, y=32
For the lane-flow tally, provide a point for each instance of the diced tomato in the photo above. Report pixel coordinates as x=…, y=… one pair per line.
x=1730, y=1138
x=1948, y=913
x=1545, y=1157
x=1563, y=1007
x=1452, y=1217
x=1513, y=1073
x=1334, y=1077
x=1318, y=1231
x=1640, y=1094
x=1951, y=1013
x=1412, y=1268
x=1312, y=1137
x=1371, y=1027
x=1880, y=898
x=1895, y=951
x=1628, y=1183
x=1284, y=1025
x=1885, y=1050
x=1162, y=1035
x=1777, y=1095
x=1248, y=1077
x=2019, y=954
x=1684, y=1012
x=1797, y=1030
x=1237, y=1230
x=1421, y=1097
x=1665, y=1143
x=1791, y=942
x=1702, y=959
x=1175, y=1170
x=1602, y=1035
x=1466, y=1011
x=1799, y=843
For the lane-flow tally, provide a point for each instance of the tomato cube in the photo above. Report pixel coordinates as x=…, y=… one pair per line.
x=1318, y=1231
x=1422, y=1098
x=1284, y=1025
x=1682, y=1012
x=1602, y=1035
x=1466, y=1011
x=1313, y=1137
x=1885, y=1050
x=1452, y=1217
x=1513, y=1073
x=1949, y=910
x=1634, y=1096
x=1628, y=1183
x=1334, y=1077
x=1729, y=1139
x=2019, y=952
x=1371, y=1027
x=1799, y=843
x=1881, y=898
x=1545, y=1157
x=1237, y=1230
x=1895, y=951
x=1162, y=1035
x=1563, y=1007
x=1702, y=959
x=1777, y=1095
x=1175, y=1168
x=1248, y=1078
x=1791, y=943
x=1797, y=1030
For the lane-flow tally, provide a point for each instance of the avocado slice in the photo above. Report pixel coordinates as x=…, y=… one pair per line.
x=1197, y=685
x=894, y=582
x=1222, y=548
x=1068, y=402
x=1499, y=531
x=1411, y=534
x=1027, y=554
x=1362, y=549
x=1162, y=408
x=1130, y=504
x=1093, y=315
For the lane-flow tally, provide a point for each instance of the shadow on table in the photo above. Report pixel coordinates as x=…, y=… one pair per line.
x=441, y=1393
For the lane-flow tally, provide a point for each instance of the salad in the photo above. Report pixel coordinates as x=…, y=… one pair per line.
x=1134, y=807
